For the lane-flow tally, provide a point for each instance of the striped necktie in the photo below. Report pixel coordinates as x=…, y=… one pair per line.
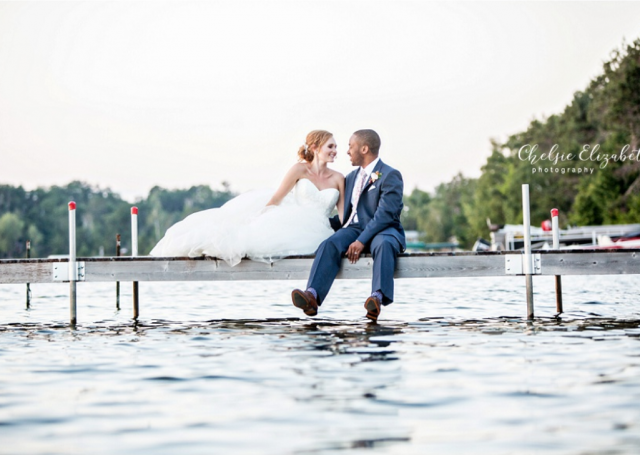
x=356, y=198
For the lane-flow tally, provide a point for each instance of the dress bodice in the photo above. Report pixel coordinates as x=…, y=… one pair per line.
x=305, y=193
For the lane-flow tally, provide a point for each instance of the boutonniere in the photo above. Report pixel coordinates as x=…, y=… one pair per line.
x=375, y=176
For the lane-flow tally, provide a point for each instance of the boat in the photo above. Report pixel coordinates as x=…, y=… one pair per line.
x=510, y=237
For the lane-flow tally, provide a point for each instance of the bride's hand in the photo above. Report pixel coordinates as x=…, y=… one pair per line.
x=266, y=209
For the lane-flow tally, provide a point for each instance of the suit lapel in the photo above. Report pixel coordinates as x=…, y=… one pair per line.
x=376, y=168
x=348, y=190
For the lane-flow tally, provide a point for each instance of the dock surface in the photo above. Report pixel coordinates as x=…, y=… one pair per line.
x=414, y=265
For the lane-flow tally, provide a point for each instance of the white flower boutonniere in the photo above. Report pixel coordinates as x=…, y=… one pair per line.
x=375, y=176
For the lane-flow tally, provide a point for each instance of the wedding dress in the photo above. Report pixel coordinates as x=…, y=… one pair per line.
x=245, y=227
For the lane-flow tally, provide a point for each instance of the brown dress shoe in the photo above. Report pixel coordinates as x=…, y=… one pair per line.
x=372, y=305
x=305, y=301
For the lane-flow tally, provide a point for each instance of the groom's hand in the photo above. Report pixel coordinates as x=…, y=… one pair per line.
x=354, y=251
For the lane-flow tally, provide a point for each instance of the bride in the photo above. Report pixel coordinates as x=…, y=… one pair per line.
x=264, y=225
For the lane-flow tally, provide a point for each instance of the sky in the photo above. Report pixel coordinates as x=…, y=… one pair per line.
x=130, y=95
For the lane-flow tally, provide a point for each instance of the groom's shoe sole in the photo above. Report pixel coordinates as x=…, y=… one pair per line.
x=305, y=301
x=372, y=305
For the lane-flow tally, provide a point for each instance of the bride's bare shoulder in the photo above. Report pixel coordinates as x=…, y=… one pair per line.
x=338, y=179
x=297, y=170
x=337, y=175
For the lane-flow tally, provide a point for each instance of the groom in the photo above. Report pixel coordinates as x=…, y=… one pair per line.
x=373, y=203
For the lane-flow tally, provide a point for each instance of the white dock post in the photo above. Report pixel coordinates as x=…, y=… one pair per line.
x=134, y=231
x=73, y=265
x=117, y=282
x=528, y=257
x=134, y=252
x=28, y=284
x=556, y=246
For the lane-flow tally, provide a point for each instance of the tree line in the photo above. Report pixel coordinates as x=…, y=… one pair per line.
x=583, y=161
x=41, y=216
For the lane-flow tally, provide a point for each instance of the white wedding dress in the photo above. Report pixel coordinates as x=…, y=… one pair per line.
x=245, y=227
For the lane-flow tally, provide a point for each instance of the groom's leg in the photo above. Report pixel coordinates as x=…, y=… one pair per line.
x=329, y=256
x=384, y=249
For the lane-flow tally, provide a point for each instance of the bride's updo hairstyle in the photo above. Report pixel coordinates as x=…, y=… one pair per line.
x=317, y=138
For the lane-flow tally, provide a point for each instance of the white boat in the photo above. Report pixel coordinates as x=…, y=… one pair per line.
x=510, y=237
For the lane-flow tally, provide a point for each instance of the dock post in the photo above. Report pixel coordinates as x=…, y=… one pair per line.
x=134, y=252
x=556, y=246
x=528, y=257
x=28, y=284
x=117, y=282
x=73, y=266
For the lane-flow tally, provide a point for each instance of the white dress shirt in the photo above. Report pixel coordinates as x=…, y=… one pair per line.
x=368, y=171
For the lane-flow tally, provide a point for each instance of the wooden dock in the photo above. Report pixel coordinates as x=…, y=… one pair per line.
x=420, y=265
x=415, y=265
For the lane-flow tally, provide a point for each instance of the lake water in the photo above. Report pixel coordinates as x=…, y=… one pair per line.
x=452, y=367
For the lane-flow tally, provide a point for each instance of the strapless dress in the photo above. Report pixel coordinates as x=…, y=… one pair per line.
x=245, y=227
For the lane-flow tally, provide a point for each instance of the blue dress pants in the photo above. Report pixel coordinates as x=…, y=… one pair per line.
x=384, y=249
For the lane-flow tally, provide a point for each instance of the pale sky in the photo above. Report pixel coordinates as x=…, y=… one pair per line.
x=128, y=95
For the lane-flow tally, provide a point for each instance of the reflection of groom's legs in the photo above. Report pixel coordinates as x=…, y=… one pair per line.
x=328, y=259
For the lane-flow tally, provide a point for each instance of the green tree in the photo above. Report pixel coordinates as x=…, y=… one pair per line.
x=489, y=199
x=605, y=115
x=36, y=238
x=445, y=217
x=416, y=206
x=11, y=234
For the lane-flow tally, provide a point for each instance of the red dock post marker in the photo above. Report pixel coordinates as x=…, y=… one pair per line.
x=134, y=252
x=73, y=266
x=556, y=246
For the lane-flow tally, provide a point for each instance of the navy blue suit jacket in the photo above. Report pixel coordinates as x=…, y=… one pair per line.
x=379, y=206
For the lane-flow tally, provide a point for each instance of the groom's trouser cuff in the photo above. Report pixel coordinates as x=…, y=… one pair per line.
x=384, y=249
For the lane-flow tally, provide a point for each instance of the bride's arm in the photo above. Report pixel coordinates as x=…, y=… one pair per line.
x=340, y=204
x=287, y=184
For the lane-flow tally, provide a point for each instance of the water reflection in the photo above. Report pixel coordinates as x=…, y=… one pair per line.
x=335, y=337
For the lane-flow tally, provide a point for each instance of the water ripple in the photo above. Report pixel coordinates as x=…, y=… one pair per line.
x=444, y=371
